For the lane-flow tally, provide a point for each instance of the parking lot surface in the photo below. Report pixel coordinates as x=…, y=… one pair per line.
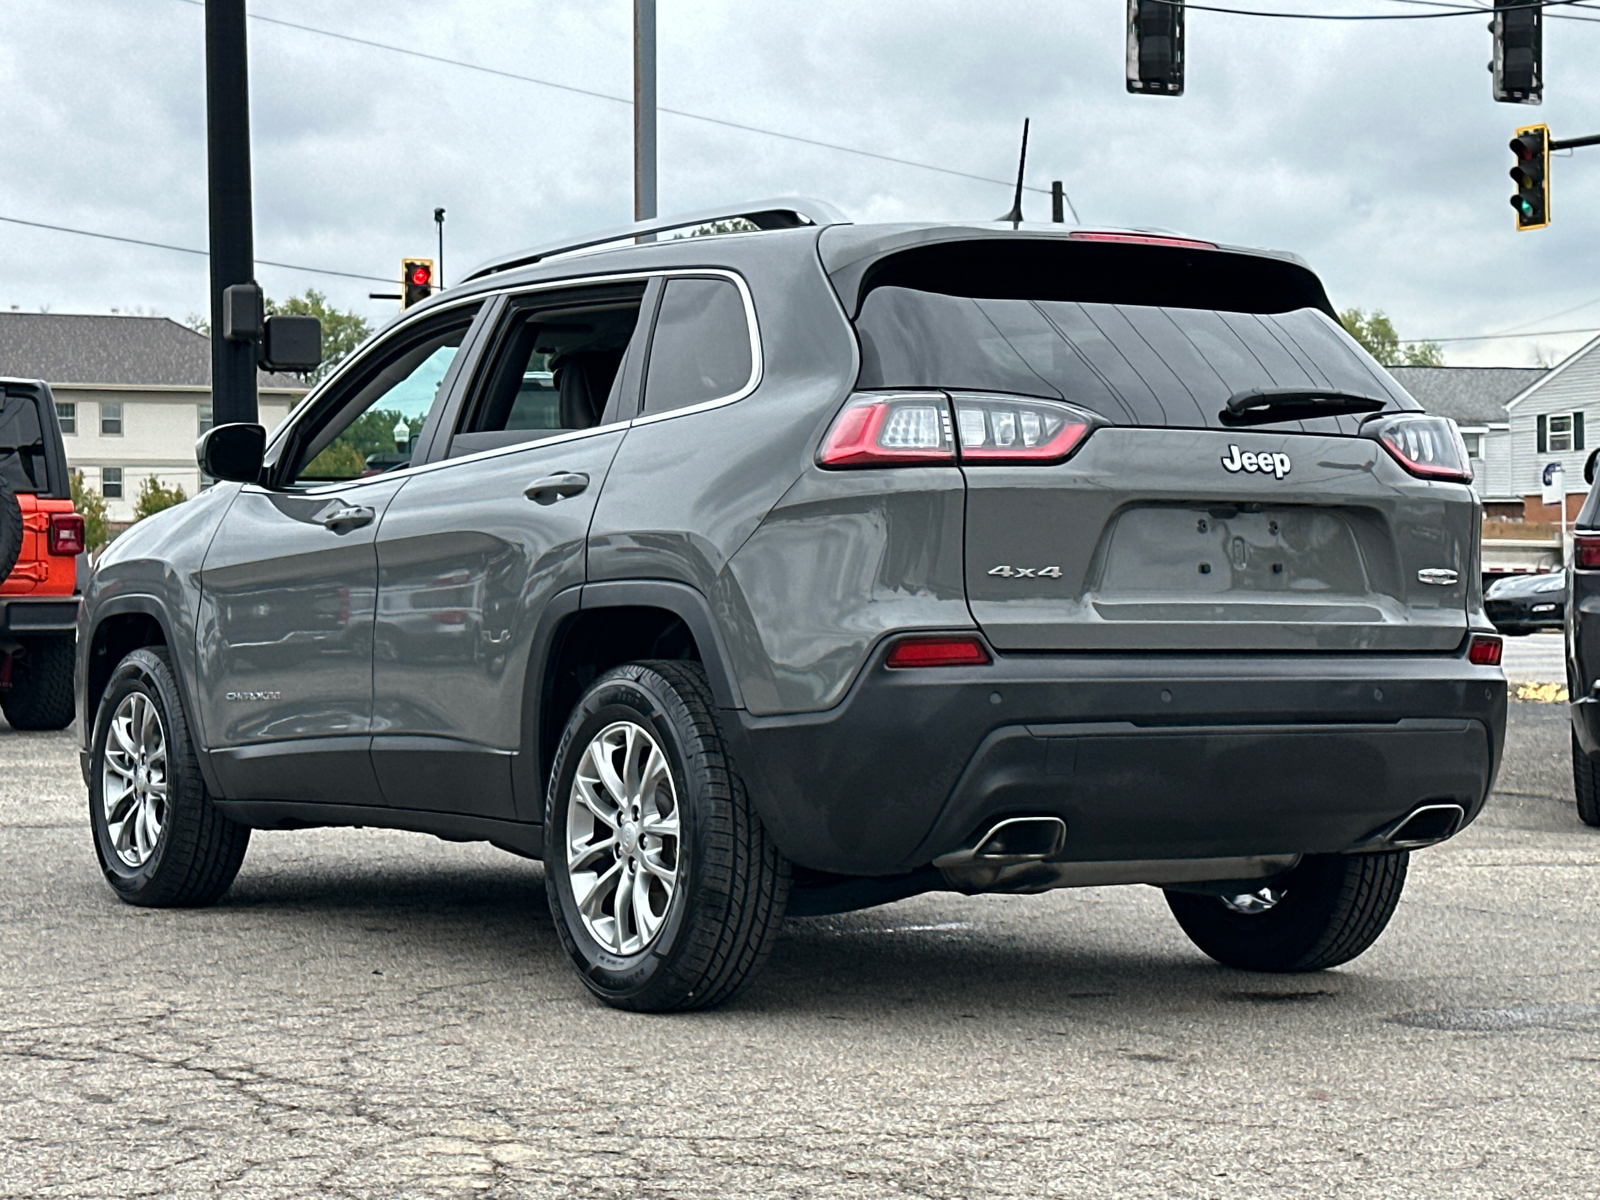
x=1536, y=658
x=386, y=1015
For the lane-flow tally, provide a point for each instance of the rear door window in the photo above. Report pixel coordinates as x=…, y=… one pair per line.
x=701, y=350
x=1133, y=364
x=22, y=450
x=557, y=364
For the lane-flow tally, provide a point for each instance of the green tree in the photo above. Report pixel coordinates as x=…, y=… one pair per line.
x=1377, y=335
x=342, y=331
x=91, y=506
x=153, y=497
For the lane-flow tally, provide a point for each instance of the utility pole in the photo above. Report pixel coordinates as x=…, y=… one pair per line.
x=233, y=362
x=644, y=109
x=438, y=219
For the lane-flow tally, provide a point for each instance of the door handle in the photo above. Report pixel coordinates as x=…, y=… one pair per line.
x=556, y=487
x=345, y=516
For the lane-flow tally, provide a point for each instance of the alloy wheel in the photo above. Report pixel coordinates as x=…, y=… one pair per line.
x=623, y=838
x=133, y=779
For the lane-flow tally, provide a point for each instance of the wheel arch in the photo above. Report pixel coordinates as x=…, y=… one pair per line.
x=590, y=629
x=121, y=625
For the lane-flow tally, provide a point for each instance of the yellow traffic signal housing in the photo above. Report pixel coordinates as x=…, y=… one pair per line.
x=416, y=281
x=1531, y=174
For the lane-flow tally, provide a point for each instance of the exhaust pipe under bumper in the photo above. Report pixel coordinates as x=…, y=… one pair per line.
x=1014, y=855
x=1424, y=826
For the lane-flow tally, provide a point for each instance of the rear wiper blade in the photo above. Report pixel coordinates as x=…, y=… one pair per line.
x=1262, y=406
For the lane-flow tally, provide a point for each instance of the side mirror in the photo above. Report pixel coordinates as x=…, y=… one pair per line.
x=291, y=343
x=232, y=452
x=1588, y=466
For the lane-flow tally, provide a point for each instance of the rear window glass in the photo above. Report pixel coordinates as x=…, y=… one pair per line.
x=22, y=461
x=1132, y=364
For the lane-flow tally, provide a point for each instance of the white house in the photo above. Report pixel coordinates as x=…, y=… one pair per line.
x=132, y=393
x=1553, y=421
x=1477, y=399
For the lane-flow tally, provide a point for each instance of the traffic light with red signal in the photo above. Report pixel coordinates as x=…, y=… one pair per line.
x=1531, y=174
x=416, y=281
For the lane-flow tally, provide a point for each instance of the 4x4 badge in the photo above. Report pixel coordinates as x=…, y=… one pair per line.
x=1238, y=460
x=1006, y=572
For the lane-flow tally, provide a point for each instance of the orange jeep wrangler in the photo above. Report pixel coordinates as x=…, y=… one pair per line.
x=41, y=547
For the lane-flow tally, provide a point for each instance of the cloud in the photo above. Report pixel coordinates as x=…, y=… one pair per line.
x=1372, y=149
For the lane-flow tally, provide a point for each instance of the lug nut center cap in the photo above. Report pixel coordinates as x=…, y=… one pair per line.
x=630, y=837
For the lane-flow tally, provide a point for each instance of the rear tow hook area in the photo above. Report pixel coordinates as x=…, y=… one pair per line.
x=1021, y=855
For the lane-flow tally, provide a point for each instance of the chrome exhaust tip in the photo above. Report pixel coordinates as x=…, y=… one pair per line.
x=1013, y=840
x=1426, y=825
x=1429, y=824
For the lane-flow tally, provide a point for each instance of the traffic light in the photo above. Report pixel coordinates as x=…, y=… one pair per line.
x=1155, y=47
x=1518, y=28
x=1532, y=176
x=416, y=281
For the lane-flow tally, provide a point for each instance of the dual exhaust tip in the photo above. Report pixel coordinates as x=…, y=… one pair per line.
x=1017, y=840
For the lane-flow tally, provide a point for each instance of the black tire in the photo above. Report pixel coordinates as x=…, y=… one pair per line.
x=1514, y=630
x=1333, y=907
x=10, y=529
x=1585, y=784
x=199, y=851
x=40, y=695
x=732, y=885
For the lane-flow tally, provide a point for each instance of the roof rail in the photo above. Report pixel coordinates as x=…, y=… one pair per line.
x=784, y=212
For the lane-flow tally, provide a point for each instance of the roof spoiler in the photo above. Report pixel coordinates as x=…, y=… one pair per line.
x=784, y=212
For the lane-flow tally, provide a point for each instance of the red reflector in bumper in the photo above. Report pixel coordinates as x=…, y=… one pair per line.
x=1484, y=650
x=939, y=652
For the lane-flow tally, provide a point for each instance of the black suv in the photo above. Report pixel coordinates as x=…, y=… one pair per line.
x=816, y=567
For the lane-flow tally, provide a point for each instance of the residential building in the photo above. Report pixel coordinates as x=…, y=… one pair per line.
x=133, y=395
x=1549, y=426
x=1477, y=399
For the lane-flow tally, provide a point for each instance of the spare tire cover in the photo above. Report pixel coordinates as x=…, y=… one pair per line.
x=10, y=529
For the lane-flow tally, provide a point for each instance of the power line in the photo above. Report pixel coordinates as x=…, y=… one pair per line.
x=260, y=262
x=1303, y=16
x=628, y=100
x=1489, y=12
x=1489, y=337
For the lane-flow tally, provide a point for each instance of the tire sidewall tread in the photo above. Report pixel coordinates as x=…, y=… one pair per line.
x=733, y=885
x=200, y=851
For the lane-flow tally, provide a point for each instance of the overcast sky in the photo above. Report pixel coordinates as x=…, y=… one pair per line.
x=1372, y=148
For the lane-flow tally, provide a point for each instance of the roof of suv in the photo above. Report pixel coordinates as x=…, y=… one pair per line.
x=846, y=250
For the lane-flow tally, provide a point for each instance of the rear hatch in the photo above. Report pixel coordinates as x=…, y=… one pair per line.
x=1168, y=527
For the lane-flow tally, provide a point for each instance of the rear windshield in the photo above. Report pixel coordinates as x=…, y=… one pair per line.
x=22, y=461
x=1132, y=364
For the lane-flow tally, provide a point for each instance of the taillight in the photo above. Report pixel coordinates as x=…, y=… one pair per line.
x=939, y=651
x=66, y=534
x=888, y=428
x=995, y=429
x=1427, y=446
x=1586, y=551
x=1484, y=650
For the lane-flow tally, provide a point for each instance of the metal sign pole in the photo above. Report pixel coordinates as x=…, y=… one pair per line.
x=233, y=363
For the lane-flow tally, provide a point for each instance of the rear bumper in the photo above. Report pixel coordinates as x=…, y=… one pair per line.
x=39, y=614
x=1144, y=756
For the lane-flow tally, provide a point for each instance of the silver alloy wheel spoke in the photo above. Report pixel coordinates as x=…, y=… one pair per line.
x=133, y=779
x=623, y=837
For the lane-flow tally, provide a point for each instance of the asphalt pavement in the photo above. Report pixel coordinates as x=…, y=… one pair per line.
x=385, y=1015
x=1535, y=658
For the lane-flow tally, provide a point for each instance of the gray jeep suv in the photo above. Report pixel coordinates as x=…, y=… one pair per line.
x=814, y=567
